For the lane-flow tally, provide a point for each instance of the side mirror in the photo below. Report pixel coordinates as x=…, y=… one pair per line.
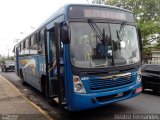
x=140, y=39
x=64, y=35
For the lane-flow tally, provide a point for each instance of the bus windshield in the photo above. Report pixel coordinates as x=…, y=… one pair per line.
x=103, y=44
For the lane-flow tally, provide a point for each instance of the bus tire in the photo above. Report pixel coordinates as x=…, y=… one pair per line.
x=44, y=86
x=22, y=78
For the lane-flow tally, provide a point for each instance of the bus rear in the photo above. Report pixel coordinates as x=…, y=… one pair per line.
x=102, y=56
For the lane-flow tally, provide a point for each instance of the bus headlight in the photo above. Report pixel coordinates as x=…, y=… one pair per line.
x=139, y=75
x=78, y=86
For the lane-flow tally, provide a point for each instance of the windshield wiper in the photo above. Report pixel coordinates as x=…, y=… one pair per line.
x=102, y=37
x=121, y=31
x=122, y=25
x=96, y=29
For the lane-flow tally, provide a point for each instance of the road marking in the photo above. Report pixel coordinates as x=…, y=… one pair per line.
x=33, y=104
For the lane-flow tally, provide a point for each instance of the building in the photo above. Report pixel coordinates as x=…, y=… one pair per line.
x=156, y=57
x=98, y=1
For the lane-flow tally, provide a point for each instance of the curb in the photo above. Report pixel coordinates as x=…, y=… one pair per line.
x=33, y=104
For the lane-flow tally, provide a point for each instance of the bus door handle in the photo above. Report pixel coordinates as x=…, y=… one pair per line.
x=53, y=66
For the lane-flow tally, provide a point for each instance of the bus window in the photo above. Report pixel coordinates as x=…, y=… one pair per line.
x=87, y=48
x=125, y=44
x=53, y=45
x=41, y=49
x=19, y=49
x=22, y=48
x=27, y=43
x=33, y=47
x=26, y=49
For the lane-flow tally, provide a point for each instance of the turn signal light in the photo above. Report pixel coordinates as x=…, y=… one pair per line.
x=138, y=90
x=76, y=79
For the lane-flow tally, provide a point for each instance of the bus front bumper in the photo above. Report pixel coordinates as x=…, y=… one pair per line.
x=80, y=102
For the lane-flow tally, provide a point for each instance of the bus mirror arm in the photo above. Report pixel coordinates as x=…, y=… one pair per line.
x=140, y=39
x=65, y=34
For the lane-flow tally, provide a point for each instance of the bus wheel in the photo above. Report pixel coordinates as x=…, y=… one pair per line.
x=22, y=78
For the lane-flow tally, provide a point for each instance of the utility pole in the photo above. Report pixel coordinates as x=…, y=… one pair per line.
x=16, y=40
x=22, y=33
x=32, y=27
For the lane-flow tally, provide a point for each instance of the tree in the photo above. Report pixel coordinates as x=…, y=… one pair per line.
x=147, y=14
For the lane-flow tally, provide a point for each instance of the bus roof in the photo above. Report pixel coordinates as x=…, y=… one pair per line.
x=63, y=11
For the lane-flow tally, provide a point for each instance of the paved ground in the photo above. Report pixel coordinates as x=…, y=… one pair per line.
x=14, y=105
x=146, y=103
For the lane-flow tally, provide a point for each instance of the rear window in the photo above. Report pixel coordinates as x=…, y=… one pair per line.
x=9, y=62
x=153, y=69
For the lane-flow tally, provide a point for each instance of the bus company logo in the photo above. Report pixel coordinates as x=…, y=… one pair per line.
x=114, y=78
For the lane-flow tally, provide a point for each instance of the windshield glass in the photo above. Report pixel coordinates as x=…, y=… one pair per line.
x=102, y=45
x=125, y=44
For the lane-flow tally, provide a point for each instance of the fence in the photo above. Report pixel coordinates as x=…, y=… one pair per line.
x=150, y=60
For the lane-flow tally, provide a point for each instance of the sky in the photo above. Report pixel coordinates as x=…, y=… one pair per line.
x=18, y=18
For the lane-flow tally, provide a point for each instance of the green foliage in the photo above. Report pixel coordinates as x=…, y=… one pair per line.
x=147, y=14
x=6, y=58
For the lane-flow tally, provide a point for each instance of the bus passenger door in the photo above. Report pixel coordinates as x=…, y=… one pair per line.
x=59, y=65
x=50, y=56
x=54, y=64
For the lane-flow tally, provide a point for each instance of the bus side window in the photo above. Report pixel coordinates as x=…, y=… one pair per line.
x=33, y=46
x=27, y=46
x=53, y=45
x=19, y=49
x=22, y=47
x=41, y=47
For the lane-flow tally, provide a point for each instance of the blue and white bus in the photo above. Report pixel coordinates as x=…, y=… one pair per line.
x=84, y=56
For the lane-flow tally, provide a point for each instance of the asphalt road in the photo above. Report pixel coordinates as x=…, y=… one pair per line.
x=147, y=103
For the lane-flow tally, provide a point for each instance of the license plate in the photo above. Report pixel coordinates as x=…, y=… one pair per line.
x=119, y=94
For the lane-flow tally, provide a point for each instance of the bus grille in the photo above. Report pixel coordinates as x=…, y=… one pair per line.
x=98, y=84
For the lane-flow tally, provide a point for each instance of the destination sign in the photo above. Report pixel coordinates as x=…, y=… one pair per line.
x=91, y=13
x=88, y=12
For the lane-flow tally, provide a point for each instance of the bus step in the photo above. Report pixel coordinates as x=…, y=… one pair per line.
x=63, y=103
x=56, y=99
x=54, y=96
x=53, y=78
